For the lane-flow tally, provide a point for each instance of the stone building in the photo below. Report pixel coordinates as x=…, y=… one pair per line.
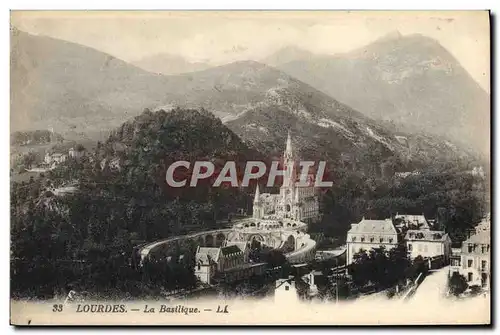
x=475, y=260
x=295, y=202
x=285, y=292
x=225, y=264
x=369, y=234
x=428, y=244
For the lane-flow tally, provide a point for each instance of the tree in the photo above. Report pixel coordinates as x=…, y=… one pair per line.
x=457, y=284
x=360, y=268
x=275, y=258
x=398, y=263
x=418, y=266
x=380, y=267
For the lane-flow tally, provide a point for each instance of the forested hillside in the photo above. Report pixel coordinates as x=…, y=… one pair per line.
x=122, y=200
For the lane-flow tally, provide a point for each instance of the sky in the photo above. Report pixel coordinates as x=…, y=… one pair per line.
x=224, y=37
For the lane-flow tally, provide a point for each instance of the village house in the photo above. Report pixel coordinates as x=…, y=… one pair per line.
x=473, y=259
x=428, y=244
x=76, y=153
x=369, y=234
x=54, y=158
x=285, y=291
x=403, y=175
x=478, y=171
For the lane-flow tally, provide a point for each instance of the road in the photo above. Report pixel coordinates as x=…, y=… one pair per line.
x=433, y=288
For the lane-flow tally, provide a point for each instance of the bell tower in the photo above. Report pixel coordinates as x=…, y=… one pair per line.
x=288, y=187
x=257, y=205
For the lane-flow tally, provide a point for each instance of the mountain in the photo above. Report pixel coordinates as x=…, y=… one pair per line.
x=409, y=80
x=65, y=85
x=77, y=90
x=287, y=54
x=324, y=129
x=169, y=64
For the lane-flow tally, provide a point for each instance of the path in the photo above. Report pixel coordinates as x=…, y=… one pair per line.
x=433, y=288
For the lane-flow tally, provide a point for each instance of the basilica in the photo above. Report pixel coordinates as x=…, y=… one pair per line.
x=294, y=201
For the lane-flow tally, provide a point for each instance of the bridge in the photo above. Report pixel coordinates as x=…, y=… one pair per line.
x=289, y=237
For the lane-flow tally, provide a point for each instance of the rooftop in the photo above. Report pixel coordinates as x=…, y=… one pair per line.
x=241, y=245
x=426, y=235
x=410, y=217
x=373, y=226
x=484, y=225
x=482, y=237
x=231, y=249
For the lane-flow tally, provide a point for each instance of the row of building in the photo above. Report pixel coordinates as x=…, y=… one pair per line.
x=415, y=231
x=472, y=259
x=57, y=157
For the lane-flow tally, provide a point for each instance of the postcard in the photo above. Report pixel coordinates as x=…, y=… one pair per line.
x=250, y=168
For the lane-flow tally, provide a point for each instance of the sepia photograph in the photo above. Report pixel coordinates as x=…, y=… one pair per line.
x=250, y=168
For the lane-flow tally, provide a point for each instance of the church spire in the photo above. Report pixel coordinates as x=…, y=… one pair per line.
x=257, y=195
x=288, y=149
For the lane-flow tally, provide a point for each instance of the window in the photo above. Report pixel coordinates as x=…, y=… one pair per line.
x=199, y=266
x=469, y=276
x=287, y=288
x=353, y=239
x=371, y=239
x=484, y=279
x=483, y=265
x=455, y=262
x=362, y=239
x=483, y=248
x=390, y=240
x=410, y=247
x=469, y=263
x=381, y=240
x=470, y=248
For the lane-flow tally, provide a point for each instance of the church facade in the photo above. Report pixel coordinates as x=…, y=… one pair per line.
x=294, y=201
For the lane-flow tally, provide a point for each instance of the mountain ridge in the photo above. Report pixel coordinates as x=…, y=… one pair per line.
x=411, y=80
x=169, y=64
x=105, y=92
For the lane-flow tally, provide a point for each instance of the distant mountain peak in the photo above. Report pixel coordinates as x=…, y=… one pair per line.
x=393, y=35
x=409, y=79
x=168, y=64
x=287, y=54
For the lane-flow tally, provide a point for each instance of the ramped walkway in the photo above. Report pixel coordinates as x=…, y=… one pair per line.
x=433, y=288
